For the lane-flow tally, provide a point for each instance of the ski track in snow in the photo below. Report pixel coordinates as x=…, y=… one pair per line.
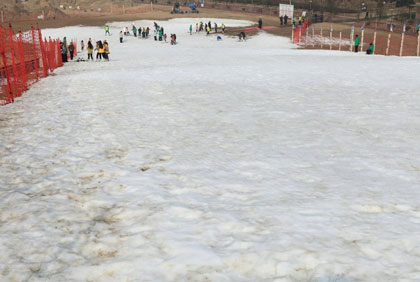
x=220, y=161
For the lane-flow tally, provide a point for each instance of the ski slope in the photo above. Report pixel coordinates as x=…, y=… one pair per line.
x=213, y=161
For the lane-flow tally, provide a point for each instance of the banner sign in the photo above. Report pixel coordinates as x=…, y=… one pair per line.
x=286, y=10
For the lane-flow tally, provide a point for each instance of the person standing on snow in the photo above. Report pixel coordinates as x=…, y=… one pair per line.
x=121, y=36
x=71, y=50
x=190, y=29
x=82, y=45
x=106, y=51
x=90, y=50
x=135, y=31
x=160, y=34
x=107, y=30
x=208, y=30
x=99, y=49
x=215, y=27
x=259, y=23
x=63, y=52
x=223, y=28
x=356, y=44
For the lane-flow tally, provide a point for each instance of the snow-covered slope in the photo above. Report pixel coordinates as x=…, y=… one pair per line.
x=220, y=161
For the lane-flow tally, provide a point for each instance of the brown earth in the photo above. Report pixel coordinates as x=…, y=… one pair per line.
x=162, y=12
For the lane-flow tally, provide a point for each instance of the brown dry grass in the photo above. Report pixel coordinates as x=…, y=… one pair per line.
x=159, y=12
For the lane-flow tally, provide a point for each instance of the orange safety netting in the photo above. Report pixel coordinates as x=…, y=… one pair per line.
x=298, y=31
x=24, y=59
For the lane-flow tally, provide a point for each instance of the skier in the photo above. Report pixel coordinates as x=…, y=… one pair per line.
x=356, y=44
x=71, y=50
x=90, y=50
x=107, y=30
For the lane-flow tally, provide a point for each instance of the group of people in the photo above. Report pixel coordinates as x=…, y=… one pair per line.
x=66, y=50
x=207, y=27
x=370, y=49
x=101, y=48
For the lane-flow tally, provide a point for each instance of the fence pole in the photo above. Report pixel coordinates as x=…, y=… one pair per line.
x=363, y=36
x=43, y=55
x=387, y=45
x=374, y=42
x=331, y=30
x=402, y=43
x=14, y=81
x=322, y=38
x=34, y=51
x=6, y=70
x=418, y=45
x=300, y=34
x=313, y=36
x=339, y=44
x=293, y=31
x=22, y=62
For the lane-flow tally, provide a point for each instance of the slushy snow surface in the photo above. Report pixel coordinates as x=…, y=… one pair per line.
x=213, y=161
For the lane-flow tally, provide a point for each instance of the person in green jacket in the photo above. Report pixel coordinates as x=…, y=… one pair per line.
x=369, y=51
x=160, y=34
x=135, y=31
x=356, y=44
x=190, y=29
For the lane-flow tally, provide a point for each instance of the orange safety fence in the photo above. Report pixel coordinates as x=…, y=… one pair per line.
x=24, y=59
x=299, y=31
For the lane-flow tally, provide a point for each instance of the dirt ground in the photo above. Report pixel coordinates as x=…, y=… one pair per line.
x=162, y=12
x=159, y=12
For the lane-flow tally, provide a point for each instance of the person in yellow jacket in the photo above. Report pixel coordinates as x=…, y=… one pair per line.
x=208, y=30
x=90, y=50
x=99, y=49
x=106, y=51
